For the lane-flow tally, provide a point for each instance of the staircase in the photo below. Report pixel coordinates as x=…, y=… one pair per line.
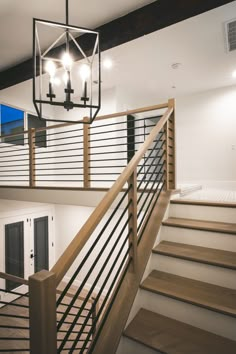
x=187, y=299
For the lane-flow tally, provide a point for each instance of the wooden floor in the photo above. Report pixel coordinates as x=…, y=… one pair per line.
x=173, y=337
x=17, y=338
x=214, y=226
x=199, y=293
x=205, y=255
x=21, y=342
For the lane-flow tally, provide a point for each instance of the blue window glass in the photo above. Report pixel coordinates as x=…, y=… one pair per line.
x=12, y=121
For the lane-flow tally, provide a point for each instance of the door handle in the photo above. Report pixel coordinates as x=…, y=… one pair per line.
x=32, y=255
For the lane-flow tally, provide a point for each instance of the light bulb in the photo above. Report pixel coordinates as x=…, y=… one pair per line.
x=107, y=63
x=67, y=61
x=85, y=72
x=65, y=78
x=50, y=68
x=55, y=81
x=234, y=74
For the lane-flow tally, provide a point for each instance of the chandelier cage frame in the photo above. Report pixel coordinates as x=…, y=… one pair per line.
x=39, y=59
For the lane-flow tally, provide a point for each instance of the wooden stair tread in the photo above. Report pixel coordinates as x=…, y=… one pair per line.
x=214, y=226
x=173, y=337
x=195, y=292
x=205, y=255
x=203, y=203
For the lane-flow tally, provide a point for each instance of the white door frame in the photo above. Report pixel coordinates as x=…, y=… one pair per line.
x=28, y=219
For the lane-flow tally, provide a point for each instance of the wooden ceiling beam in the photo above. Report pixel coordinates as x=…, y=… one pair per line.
x=150, y=18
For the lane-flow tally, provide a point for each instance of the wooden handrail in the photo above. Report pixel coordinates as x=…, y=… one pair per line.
x=112, y=115
x=14, y=278
x=23, y=281
x=72, y=251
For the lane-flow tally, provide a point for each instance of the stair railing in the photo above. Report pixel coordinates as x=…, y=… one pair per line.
x=74, y=156
x=104, y=253
x=17, y=316
x=14, y=316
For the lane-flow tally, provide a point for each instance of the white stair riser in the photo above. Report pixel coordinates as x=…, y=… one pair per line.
x=194, y=270
x=202, y=213
x=129, y=346
x=191, y=314
x=209, y=239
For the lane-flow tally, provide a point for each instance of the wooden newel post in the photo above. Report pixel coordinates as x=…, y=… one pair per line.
x=166, y=155
x=133, y=238
x=86, y=149
x=42, y=313
x=31, y=139
x=171, y=147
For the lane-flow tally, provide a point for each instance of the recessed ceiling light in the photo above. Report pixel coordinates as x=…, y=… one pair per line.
x=234, y=74
x=176, y=65
x=107, y=63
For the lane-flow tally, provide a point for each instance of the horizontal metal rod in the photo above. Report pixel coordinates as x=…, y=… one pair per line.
x=77, y=324
x=108, y=152
x=56, y=151
x=4, y=171
x=14, y=304
x=64, y=144
x=14, y=316
x=121, y=137
x=9, y=161
x=153, y=206
x=140, y=210
x=59, y=174
x=147, y=183
x=107, y=277
x=15, y=150
x=64, y=131
x=13, y=327
x=101, y=180
x=13, y=350
x=58, y=168
x=109, y=166
x=59, y=180
x=122, y=122
x=58, y=157
x=58, y=162
x=14, y=175
x=14, y=338
x=108, y=294
x=90, y=250
x=100, y=160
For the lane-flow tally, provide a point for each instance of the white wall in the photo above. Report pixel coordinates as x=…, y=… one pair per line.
x=21, y=96
x=206, y=138
x=69, y=220
x=205, y=123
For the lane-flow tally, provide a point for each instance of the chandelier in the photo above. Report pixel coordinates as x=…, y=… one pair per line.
x=67, y=70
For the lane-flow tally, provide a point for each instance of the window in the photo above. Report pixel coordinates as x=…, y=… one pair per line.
x=35, y=122
x=12, y=121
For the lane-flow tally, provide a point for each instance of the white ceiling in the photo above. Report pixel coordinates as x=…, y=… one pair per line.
x=16, y=19
x=143, y=66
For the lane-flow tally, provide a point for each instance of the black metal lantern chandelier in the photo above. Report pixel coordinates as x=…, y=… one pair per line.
x=67, y=70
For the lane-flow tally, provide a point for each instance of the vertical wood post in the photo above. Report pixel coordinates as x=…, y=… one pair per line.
x=86, y=149
x=171, y=147
x=166, y=155
x=31, y=140
x=42, y=312
x=132, y=195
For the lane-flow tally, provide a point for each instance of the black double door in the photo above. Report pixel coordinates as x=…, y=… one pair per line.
x=16, y=254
